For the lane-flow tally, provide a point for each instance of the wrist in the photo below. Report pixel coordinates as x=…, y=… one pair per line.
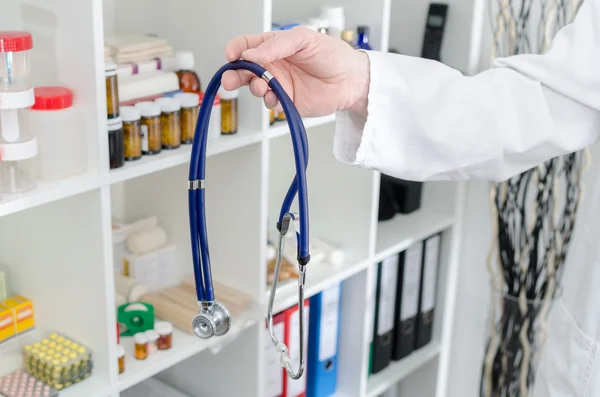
x=362, y=79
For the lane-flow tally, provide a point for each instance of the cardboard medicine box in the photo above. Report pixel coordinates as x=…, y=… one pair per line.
x=7, y=323
x=22, y=309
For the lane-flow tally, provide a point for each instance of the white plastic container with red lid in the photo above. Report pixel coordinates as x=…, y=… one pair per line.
x=57, y=123
x=15, y=68
x=17, y=167
x=214, y=125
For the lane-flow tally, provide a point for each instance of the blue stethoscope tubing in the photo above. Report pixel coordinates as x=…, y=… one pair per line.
x=197, y=173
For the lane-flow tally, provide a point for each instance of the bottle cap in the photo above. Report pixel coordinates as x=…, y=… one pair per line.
x=24, y=148
x=152, y=335
x=140, y=338
x=110, y=69
x=217, y=101
x=187, y=99
x=52, y=98
x=168, y=104
x=228, y=95
x=362, y=29
x=129, y=113
x=148, y=109
x=348, y=35
x=120, y=351
x=163, y=327
x=13, y=41
x=114, y=124
x=185, y=60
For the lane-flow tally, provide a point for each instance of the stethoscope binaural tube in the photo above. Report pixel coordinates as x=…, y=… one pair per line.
x=213, y=318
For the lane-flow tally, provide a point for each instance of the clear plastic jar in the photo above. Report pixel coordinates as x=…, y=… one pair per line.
x=17, y=167
x=165, y=335
x=151, y=129
x=121, y=357
x=152, y=336
x=170, y=121
x=189, y=115
x=112, y=91
x=15, y=63
x=229, y=112
x=116, y=151
x=57, y=123
x=141, y=345
x=132, y=133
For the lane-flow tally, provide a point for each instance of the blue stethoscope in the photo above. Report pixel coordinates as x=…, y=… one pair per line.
x=213, y=318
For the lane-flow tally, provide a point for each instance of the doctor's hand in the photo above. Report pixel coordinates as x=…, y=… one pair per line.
x=320, y=73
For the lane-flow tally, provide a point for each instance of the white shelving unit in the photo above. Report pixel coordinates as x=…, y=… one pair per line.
x=56, y=240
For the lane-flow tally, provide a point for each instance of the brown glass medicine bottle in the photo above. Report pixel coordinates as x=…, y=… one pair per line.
x=188, y=79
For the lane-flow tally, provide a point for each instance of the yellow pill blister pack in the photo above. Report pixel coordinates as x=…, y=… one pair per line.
x=58, y=361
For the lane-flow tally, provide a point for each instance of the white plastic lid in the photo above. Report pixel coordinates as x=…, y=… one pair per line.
x=185, y=60
x=23, y=149
x=17, y=99
x=148, y=109
x=187, y=99
x=228, y=95
x=120, y=351
x=129, y=113
x=152, y=335
x=110, y=69
x=168, y=104
x=140, y=338
x=163, y=327
x=114, y=124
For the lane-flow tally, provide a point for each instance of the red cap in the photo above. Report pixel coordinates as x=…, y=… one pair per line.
x=216, y=102
x=13, y=41
x=52, y=98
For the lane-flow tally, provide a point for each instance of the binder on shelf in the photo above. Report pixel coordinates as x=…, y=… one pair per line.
x=431, y=259
x=274, y=371
x=296, y=388
x=323, y=339
x=370, y=315
x=384, y=320
x=407, y=301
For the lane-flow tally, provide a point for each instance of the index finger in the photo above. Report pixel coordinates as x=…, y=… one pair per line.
x=235, y=47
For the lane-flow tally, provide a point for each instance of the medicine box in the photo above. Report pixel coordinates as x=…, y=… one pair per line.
x=7, y=323
x=22, y=310
x=156, y=269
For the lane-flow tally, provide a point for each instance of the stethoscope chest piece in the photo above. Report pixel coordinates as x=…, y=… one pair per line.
x=212, y=320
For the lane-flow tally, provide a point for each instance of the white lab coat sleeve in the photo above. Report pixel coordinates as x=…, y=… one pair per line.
x=427, y=121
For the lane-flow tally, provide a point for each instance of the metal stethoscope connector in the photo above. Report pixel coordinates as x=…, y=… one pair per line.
x=213, y=319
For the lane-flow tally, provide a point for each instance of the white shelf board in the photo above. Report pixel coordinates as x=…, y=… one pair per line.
x=281, y=128
x=90, y=387
x=402, y=231
x=398, y=370
x=47, y=192
x=172, y=158
x=185, y=345
x=318, y=278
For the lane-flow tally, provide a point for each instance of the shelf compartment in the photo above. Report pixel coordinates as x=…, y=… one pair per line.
x=47, y=192
x=319, y=277
x=281, y=127
x=172, y=158
x=185, y=345
x=399, y=370
x=402, y=231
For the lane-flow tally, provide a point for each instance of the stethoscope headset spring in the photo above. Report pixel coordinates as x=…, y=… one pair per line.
x=213, y=319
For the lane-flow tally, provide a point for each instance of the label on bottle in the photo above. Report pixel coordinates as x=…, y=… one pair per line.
x=144, y=138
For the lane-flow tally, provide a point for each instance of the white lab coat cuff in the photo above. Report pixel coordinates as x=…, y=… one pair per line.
x=353, y=132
